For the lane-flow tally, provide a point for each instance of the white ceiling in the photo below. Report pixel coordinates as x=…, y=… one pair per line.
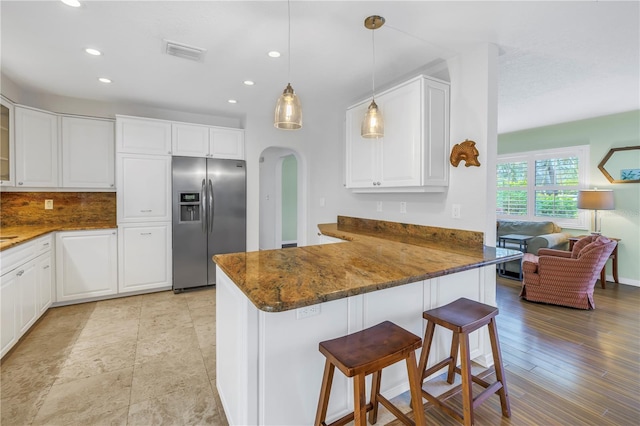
x=560, y=61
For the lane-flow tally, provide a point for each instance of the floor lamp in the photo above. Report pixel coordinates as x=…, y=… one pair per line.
x=595, y=199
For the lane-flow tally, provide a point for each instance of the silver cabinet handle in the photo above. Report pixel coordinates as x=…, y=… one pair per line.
x=145, y=233
x=20, y=272
x=19, y=183
x=145, y=211
x=112, y=185
x=45, y=267
x=45, y=245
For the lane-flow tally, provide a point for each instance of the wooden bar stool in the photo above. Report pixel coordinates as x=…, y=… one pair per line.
x=463, y=317
x=365, y=352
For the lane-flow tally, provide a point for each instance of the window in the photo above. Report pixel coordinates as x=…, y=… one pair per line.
x=543, y=185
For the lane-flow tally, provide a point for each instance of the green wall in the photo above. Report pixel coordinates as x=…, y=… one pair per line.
x=601, y=134
x=289, y=199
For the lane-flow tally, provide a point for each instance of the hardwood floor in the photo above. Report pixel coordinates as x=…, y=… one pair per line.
x=565, y=366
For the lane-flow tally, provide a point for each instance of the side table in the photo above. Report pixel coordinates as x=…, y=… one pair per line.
x=613, y=257
x=523, y=241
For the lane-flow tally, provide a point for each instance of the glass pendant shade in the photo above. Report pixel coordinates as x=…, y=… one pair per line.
x=373, y=124
x=288, y=113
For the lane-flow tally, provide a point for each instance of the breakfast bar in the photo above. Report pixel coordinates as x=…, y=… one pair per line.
x=273, y=307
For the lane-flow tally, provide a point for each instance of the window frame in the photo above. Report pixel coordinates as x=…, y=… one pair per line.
x=530, y=157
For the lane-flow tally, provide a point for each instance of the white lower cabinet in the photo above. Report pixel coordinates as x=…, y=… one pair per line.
x=9, y=306
x=28, y=297
x=44, y=268
x=144, y=256
x=25, y=288
x=86, y=264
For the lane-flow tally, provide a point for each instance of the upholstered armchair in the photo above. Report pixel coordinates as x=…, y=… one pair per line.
x=566, y=278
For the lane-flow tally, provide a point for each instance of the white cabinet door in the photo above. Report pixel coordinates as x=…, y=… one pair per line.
x=144, y=188
x=45, y=282
x=27, y=289
x=190, y=140
x=88, y=153
x=8, y=303
x=86, y=264
x=36, y=148
x=226, y=143
x=144, y=256
x=143, y=136
x=7, y=144
x=436, y=134
x=399, y=150
x=361, y=153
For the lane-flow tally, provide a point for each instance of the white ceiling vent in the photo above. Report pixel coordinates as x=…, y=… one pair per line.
x=184, y=51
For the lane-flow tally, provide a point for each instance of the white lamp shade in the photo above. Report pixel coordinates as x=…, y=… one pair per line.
x=595, y=199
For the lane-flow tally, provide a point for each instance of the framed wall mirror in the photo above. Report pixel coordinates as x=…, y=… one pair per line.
x=622, y=165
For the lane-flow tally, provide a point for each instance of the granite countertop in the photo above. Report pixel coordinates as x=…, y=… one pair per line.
x=376, y=256
x=26, y=233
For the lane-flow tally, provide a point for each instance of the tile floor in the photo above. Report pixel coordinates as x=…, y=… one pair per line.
x=139, y=360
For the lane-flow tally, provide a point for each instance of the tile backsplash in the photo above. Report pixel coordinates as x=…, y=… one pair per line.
x=27, y=208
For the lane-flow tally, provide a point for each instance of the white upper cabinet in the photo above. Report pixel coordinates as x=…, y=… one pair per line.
x=144, y=188
x=36, y=141
x=7, y=144
x=412, y=156
x=88, y=153
x=226, y=143
x=192, y=140
x=143, y=136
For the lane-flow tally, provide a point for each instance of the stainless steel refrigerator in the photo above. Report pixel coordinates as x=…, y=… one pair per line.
x=209, y=217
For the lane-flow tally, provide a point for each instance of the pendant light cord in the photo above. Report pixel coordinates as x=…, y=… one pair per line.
x=373, y=66
x=289, y=20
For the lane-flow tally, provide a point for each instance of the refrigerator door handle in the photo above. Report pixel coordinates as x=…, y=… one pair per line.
x=211, y=205
x=202, y=206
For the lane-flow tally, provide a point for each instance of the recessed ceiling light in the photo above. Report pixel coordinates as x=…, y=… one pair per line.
x=248, y=83
x=274, y=54
x=93, y=52
x=104, y=80
x=232, y=101
x=72, y=3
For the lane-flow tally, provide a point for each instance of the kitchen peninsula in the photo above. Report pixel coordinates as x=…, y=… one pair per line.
x=273, y=307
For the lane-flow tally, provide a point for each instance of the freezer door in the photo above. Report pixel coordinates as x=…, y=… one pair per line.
x=226, y=185
x=189, y=222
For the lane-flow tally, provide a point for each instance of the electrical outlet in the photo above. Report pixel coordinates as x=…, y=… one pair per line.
x=379, y=206
x=307, y=311
x=323, y=202
x=48, y=204
x=455, y=211
x=403, y=207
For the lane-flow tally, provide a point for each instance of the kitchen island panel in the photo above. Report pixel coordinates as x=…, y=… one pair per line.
x=269, y=369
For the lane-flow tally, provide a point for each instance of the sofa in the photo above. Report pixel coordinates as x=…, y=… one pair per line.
x=546, y=235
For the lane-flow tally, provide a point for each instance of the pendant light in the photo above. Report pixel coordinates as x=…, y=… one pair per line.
x=373, y=124
x=288, y=113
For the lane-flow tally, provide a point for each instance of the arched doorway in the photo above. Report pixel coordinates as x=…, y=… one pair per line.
x=282, y=199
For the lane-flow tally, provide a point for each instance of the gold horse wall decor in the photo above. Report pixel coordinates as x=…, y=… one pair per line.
x=466, y=151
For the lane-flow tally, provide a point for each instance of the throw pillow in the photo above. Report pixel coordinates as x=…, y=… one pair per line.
x=599, y=242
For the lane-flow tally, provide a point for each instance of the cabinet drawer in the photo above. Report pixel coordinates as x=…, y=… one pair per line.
x=12, y=258
x=43, y=244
